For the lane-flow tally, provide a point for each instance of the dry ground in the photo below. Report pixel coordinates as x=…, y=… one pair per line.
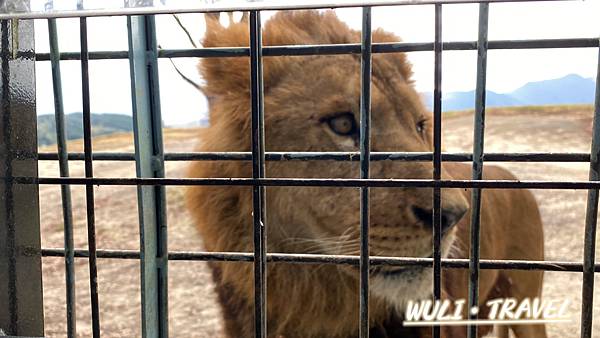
x=192, y=306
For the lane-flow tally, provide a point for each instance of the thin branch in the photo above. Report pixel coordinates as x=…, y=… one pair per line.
x=185, y=30
x=183, y=76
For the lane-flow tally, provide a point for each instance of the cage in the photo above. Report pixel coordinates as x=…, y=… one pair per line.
x=21, y=307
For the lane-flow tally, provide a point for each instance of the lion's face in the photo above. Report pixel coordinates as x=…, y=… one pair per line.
x=315, y=107
x=312, y=104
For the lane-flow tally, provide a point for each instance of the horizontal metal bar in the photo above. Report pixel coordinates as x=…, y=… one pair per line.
x=453, y=263
x=335, y=49
x=314, y=182
x=99, y=55
x=334, y=156
x=237, y=6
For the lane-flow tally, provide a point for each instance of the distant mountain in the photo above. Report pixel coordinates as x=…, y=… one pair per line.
x=466, y=100
x=570, y=89
x=102, y=124
x=566, y=90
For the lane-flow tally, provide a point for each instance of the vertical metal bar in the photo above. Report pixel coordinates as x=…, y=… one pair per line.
x=65, y=190
x=591, y=221
x=149, y=155
x=89, y=172
x=437, y=159
x=258, y=171
x=21, y=298
x=365, y=150
x=478, y=142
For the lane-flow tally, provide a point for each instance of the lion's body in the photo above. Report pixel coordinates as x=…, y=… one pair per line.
x=511, y=229
x=322, y=300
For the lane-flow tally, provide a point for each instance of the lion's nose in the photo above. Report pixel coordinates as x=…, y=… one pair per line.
x=450, y=216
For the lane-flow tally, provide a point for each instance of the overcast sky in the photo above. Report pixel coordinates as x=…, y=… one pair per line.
x=181, y=103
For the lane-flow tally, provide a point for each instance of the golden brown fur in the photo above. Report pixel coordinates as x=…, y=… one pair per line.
x=301, y=95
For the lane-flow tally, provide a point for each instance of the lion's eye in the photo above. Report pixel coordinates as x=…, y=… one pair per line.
x=342, y=124
x=421, y=126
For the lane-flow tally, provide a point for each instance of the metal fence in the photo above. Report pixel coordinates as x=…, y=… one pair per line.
x=21, y=312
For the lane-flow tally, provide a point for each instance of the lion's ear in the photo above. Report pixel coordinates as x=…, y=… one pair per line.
x=231, y=75
x=398, y=60
x=225, y=74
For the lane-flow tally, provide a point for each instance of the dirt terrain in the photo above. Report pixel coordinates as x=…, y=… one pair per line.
x=193, y=311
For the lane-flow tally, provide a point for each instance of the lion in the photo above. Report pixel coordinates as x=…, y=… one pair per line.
x=312, y=104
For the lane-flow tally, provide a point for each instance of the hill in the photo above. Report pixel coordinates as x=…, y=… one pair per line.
x=102, y=124
x=570, y=89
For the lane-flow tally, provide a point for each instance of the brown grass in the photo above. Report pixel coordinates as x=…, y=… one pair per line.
x=192, y=305
x=571, y=109
x=123, y=141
